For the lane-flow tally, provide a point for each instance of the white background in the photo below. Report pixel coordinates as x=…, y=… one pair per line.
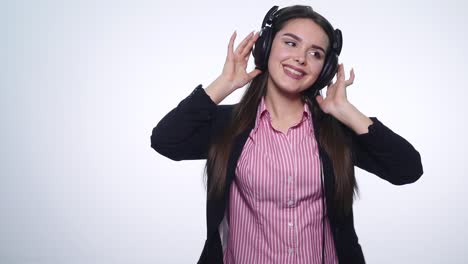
x=83, y=83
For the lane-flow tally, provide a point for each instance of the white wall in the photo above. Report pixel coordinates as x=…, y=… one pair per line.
x=82, y=84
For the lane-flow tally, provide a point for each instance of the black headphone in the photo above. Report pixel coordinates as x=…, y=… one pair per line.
x=262, y=47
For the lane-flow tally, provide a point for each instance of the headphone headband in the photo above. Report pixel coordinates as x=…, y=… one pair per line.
x=269, y=17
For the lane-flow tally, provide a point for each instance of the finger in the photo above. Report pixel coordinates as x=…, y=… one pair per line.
x=340, y=73
x=254, y=73
x=319, y=99
x=230, y=52
x=329, y=90
x=341, y=87
x=351, y=78
x=246, y=51
x=244, y=42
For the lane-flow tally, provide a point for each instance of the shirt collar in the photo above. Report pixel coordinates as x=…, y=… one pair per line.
x=262, y=112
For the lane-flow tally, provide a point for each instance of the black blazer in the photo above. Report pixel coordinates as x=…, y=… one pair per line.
x=185, y=134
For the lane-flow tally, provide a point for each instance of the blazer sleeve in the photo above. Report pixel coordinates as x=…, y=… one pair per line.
x=387, y=155
x=186, y=131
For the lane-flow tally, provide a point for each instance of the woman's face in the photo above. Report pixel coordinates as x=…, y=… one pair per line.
x=297, y=56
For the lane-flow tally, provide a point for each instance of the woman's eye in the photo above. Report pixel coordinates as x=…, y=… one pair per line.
x=290, y=43
x=315, y=54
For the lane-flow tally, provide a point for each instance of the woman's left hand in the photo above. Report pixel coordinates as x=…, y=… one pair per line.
x=336, y=104
x=336, y=98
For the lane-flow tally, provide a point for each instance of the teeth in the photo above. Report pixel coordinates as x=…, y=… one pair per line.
x=294, y=71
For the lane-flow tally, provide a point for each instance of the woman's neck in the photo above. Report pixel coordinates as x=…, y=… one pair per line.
x=285, y=109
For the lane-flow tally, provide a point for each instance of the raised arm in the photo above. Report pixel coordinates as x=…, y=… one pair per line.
x=376, y=148
x=186, y=132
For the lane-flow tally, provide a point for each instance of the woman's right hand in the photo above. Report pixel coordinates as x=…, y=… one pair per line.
x=234, y=70
x=234, y=73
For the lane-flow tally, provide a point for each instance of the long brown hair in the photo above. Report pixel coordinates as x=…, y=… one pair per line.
x=332, y=134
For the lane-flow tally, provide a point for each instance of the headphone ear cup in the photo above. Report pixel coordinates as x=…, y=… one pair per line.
x=261, y=49
x=328, y=71
x=330, y=65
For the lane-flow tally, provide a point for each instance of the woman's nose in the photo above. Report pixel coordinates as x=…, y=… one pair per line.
x=300, y=59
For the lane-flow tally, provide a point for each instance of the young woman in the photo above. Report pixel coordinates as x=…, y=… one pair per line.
x=280, y=163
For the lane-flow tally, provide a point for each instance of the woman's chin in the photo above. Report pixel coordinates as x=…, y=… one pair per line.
x=290, y=91
x=287, y=87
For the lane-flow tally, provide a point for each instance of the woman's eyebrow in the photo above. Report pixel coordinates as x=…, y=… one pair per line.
x=299, y=39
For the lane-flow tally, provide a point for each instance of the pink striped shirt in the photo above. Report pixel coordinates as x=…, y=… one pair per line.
x=275, y=200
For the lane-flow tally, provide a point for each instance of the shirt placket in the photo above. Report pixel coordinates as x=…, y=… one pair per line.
x=291, y=199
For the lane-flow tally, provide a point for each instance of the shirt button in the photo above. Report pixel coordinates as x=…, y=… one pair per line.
x=290, y=224
x=290, y=203
x=290, y=179
x=291, y=250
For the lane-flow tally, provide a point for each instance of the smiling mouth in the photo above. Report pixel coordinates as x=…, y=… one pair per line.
x=295, y=74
